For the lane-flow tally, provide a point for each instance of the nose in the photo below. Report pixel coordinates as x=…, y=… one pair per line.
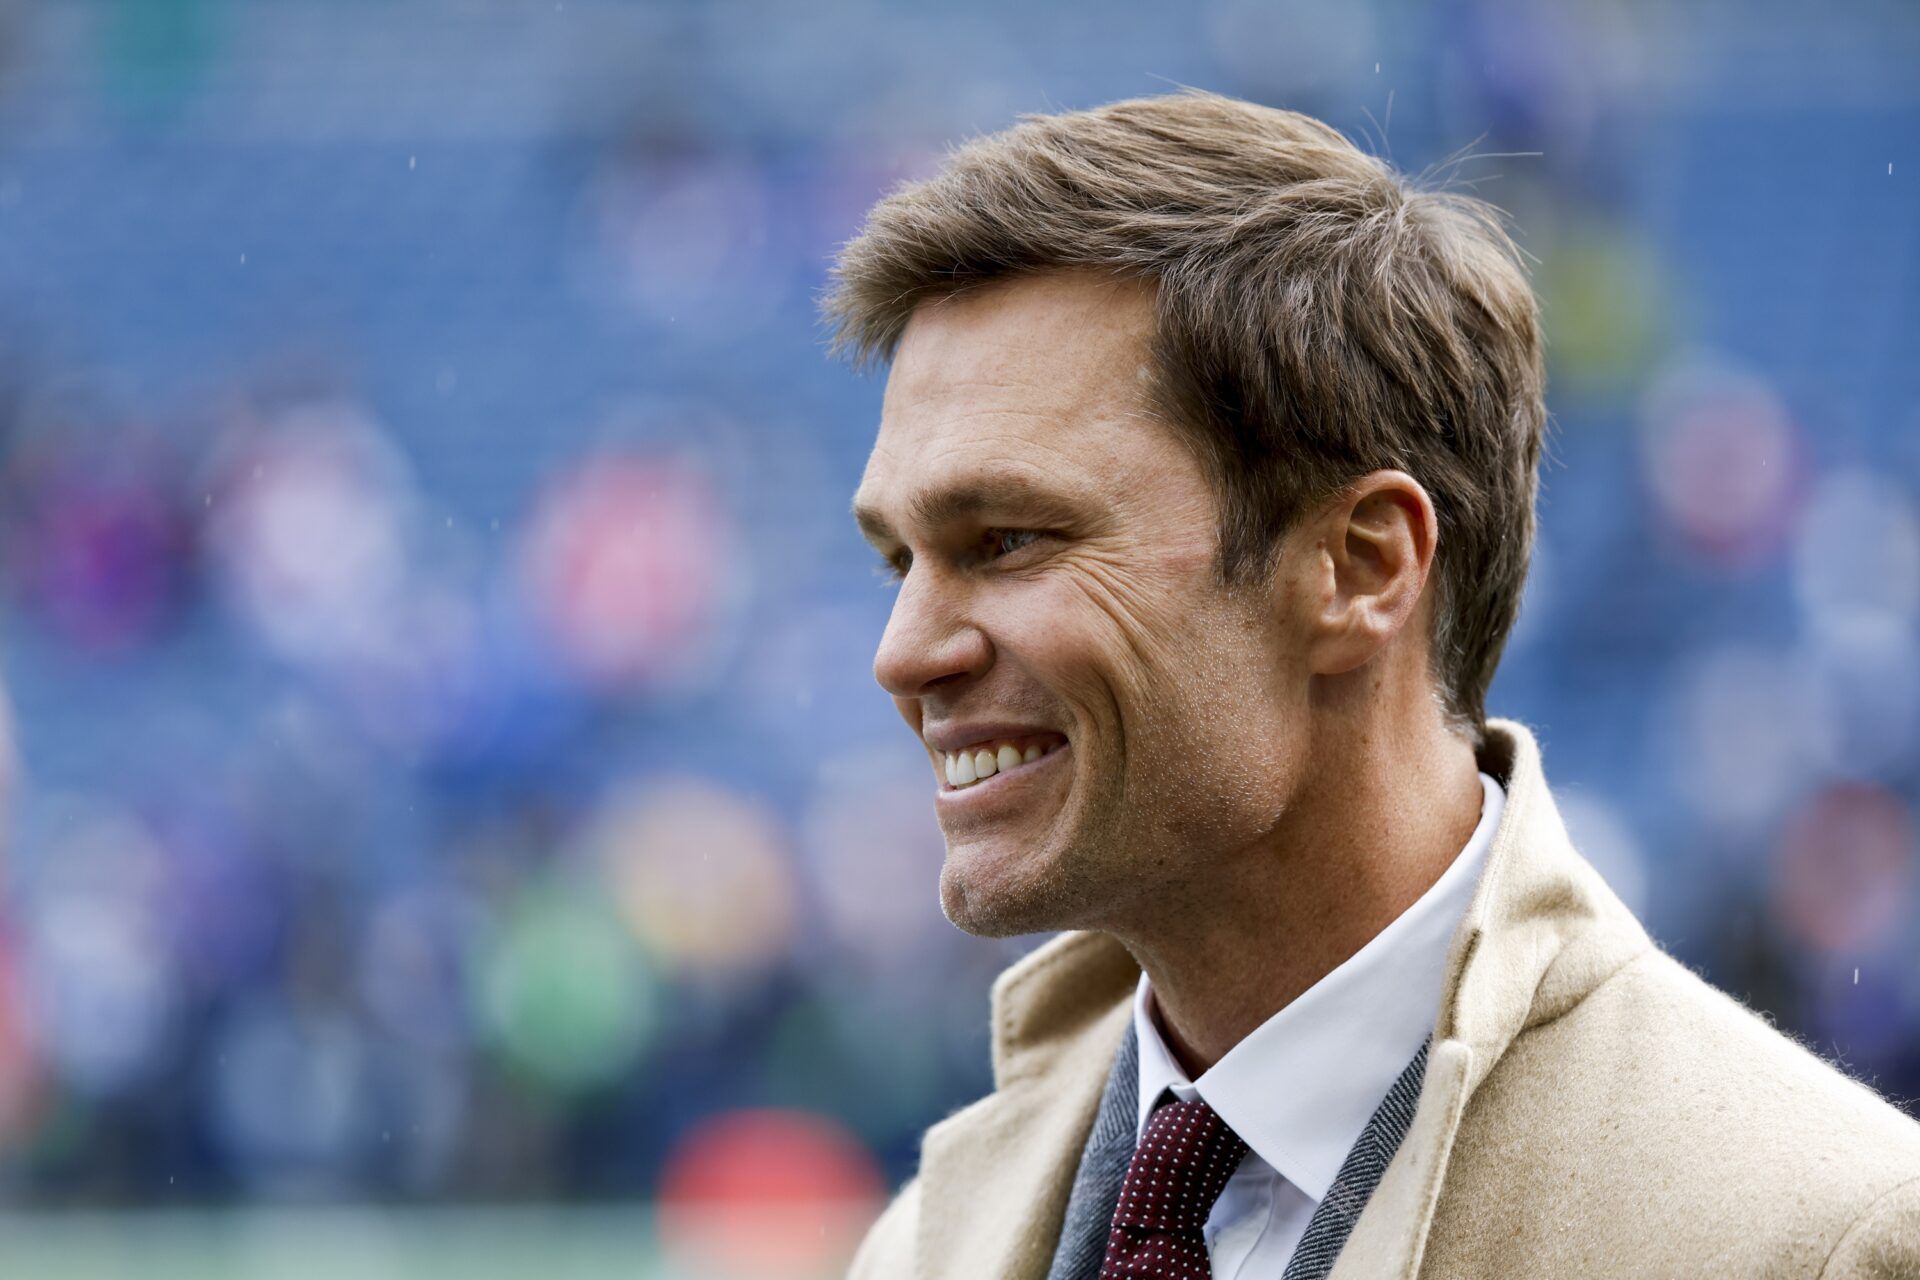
x=928, y=640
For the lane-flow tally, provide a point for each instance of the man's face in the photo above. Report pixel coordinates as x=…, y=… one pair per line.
x=1062, y=598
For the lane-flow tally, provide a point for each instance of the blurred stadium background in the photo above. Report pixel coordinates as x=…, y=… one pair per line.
x=453, y=825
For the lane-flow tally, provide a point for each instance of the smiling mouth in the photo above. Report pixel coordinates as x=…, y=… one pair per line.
x=984, y=761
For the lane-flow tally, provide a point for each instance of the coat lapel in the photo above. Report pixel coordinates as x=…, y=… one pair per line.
x=1541, y=931
x=996, y=1175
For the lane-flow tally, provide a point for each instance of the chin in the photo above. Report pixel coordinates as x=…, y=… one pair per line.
x=981, y=896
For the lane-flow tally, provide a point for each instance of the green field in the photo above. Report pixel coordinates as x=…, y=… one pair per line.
x=370, y=1244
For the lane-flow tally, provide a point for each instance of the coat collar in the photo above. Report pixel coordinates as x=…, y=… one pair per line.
x=1541, y=930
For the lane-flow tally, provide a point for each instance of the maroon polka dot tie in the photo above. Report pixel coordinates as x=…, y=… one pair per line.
x=1179, y=1169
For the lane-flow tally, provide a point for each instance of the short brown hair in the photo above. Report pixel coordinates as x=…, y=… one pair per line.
x=1317, y=316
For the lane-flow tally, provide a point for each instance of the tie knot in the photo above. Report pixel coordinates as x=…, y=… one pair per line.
x=1179, y=1169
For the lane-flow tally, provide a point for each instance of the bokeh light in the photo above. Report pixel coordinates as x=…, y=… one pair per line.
x=630, y=563
x=1606, y=300
x=766, y=1195
x=1723, y=461
x=1844, y=871
x=701, y=874
x=308, y=528
x=93, y=542
x=102, y=987
x=565, y=995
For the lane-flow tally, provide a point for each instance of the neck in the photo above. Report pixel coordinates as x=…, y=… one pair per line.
x=1382, y=816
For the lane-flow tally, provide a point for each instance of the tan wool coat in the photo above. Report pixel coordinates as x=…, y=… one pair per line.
x=1591, y=1107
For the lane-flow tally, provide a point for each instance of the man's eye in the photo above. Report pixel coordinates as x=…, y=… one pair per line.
x=1021, y=538
x=892, y=570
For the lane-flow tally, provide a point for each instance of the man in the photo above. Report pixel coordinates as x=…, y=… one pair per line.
x=1206, y=468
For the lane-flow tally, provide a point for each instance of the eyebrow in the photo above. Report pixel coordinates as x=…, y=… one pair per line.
x=933, y=508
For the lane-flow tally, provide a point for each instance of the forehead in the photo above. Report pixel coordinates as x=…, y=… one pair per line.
x=1042, y=378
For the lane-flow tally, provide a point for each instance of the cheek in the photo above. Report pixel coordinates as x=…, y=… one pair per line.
x=1212, y=768
x=1217, y=717
x=1104, y=657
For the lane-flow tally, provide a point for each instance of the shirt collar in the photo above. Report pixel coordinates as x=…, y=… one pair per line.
x=1301, y=1086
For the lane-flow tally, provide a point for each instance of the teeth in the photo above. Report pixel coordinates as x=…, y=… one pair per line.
x=964, y=768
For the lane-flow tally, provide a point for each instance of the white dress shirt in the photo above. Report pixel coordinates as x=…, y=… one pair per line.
x=1301, y=1086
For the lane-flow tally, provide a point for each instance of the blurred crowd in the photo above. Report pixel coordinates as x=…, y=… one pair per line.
x=443, y=760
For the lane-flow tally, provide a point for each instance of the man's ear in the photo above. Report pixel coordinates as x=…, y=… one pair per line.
x=1372, y=547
